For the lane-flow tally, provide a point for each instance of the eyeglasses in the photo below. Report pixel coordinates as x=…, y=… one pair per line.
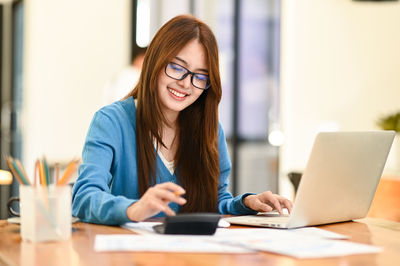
x=178, y=72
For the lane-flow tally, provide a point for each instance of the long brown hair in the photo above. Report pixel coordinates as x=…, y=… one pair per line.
x=196, y=158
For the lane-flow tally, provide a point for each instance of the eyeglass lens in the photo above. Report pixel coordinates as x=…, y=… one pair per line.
x=179, y=72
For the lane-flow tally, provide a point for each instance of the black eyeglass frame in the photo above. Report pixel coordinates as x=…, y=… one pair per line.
x=188, y=72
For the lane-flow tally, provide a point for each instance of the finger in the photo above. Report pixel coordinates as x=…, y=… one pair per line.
x=167, y=196
x=277, y=205
x=285, y=202
x=168, y=211
x=172, y=187
x=177, y=199
x=272, y=200
x=259, y=206
x=155, y=206
x=288, y=204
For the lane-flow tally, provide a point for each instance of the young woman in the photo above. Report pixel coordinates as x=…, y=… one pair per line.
x=161, y=150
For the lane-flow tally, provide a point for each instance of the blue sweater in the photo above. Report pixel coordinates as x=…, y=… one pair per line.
x=108, y=179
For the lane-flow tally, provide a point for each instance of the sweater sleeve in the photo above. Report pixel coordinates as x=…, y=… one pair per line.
x=92, y=200
x=227, y=204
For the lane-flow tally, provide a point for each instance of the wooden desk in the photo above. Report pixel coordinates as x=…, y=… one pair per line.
x=79, y=249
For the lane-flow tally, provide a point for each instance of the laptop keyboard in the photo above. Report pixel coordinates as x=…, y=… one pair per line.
x=260, y=219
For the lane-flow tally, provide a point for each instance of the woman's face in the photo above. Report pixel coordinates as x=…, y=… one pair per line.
x=176, y=95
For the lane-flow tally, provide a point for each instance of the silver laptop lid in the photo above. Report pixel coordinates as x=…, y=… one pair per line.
x=341, y=177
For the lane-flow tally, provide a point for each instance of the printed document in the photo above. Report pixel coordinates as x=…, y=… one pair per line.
x=308, y=242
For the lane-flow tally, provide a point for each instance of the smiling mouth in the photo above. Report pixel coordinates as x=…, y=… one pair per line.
x=177, y=94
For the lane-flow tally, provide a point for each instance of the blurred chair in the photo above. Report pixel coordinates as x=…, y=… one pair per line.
x=294, y=178
x=386, y=203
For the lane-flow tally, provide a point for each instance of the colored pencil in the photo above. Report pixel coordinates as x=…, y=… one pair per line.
x=71, y=168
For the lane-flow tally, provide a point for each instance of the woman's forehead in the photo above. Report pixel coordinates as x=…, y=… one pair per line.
x=193, y=56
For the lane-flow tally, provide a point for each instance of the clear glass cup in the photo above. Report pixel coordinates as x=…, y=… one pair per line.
x=45, y=213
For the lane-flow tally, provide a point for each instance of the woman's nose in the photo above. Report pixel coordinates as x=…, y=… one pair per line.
x=185, y=83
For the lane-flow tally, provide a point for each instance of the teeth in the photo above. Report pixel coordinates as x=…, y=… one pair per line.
x=174, y=92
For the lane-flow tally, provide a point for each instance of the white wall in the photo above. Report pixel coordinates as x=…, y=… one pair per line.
x=340, y=70
x=71, y=48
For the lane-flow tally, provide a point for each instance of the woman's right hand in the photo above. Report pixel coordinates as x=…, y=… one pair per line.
x=155, y=200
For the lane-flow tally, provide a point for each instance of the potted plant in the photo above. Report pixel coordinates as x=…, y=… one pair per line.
x=392, y=122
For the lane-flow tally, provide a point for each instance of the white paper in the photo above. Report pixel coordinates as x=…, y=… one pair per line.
x=312, y=247
x=318, y=232
x=269, y=233
x=141, y=227
x=163, y=243
x=308, y=242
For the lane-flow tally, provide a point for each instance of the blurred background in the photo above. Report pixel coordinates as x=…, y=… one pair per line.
x=289, y=70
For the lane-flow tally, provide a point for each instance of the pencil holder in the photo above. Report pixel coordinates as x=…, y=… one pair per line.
x=45, y=213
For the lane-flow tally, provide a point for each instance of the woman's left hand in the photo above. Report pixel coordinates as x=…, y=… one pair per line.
x=267, y=201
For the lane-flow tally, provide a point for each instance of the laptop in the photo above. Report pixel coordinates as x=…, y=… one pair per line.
x=338, y=184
